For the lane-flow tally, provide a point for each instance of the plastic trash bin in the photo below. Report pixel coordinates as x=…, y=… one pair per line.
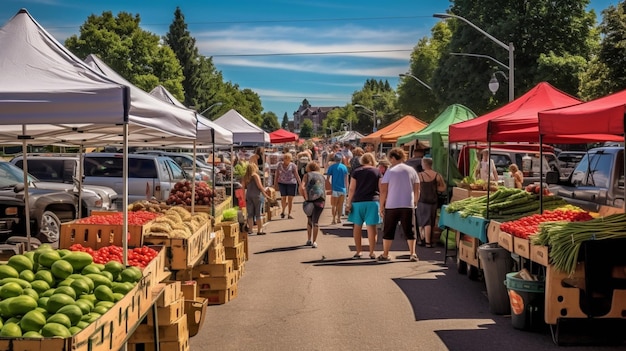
x=496, y=263
x=527, y=302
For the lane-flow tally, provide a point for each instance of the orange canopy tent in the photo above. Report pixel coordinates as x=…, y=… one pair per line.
x=392, y=132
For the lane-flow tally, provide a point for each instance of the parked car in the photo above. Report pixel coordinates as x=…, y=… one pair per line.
x=61, y=171
x=48, y=208
x=203, y=170
x=597, y=180
x=568, y=160
x=149, y=176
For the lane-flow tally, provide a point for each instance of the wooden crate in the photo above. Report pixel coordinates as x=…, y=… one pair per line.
x=99, y=235
x=107, y=333
x=182, y=252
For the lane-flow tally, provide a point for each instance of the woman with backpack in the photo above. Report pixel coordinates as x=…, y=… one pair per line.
x=431, y=183
x=313, y=189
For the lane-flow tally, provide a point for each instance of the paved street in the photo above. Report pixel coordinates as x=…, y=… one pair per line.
x=293, y=297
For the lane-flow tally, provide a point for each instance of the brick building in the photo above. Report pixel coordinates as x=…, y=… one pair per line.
x=314, y=113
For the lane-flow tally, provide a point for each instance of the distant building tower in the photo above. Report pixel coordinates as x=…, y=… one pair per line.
x=313, y=113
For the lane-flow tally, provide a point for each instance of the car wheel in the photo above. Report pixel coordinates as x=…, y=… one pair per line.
x=34, y=242
x=50, y=227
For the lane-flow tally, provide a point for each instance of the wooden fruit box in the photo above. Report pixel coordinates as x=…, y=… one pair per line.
x=521, y=247
x=539, y=254
x=109, y=332
x=99, y=235
x=182, y=253
x=219, y=207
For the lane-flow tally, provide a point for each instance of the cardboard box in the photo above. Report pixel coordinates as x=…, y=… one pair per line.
x=235, y=252
x=493, y=231
x=100, y=235
x=230, y=228
x=176, y=331
x=182, y=253
x=189, y=288
x=468, y=250
x=169, y=314
x=195, y=310
x=462, y=193
x=181, y=345
x=505, y=240
x=521, y=247
x=222, y=269
x=216, y=254
x=539, y=254
x=216, y=283
x=219, y=297
x=171, y=293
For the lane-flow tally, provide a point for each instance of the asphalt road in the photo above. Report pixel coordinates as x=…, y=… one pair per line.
x=293, y=297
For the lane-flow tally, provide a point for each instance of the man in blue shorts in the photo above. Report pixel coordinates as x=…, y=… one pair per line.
x=337, y=173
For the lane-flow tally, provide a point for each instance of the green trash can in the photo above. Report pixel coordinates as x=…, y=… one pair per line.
x=527, y=302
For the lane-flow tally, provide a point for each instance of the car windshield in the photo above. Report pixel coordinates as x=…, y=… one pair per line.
x=11, y=175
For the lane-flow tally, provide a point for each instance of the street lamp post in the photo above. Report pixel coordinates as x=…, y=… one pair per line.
x=402, y=75
x=509, y=48
x=373, y=112
x=210, y=107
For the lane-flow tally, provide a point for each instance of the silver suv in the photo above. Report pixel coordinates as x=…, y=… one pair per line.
x=203, y=170
x=60, y=172
x=149, y=176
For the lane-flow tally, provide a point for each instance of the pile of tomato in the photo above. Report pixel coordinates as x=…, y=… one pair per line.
x=117, y=218
x=138, y=257
x=524, y=227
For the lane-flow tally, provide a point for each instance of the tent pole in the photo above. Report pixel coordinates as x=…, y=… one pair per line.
x=232, y=176
x=540, y=174
x=125, y=195
x=26, y=195
x=213, y=174
x=193, y=179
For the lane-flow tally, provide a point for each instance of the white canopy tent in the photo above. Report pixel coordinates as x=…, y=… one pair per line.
x=49, y=96
x=245, y=133
x=223, y=136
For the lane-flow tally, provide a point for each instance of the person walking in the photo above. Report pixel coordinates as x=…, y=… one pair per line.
x=337, y=173
x=355, y=161
x=313, y=189
x=254, y=192
x=431, y=183
x=362, y=204
x=286, y=181
x=399, y=191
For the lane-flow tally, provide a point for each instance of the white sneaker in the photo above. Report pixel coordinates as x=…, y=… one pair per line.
x=314, y=245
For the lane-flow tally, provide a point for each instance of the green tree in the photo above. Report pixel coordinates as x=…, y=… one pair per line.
x=184, y=46
x=562, y=31
x=413, y=97
x=285, y=124
x=606, y=73
x=306, y=129
x=270, y=122
x=376, y=96
x=130, y=51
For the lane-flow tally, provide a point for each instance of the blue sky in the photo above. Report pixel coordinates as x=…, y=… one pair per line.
x=330, y=47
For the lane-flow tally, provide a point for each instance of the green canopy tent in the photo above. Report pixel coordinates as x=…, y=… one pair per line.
x=452, y=114
x=435, y=135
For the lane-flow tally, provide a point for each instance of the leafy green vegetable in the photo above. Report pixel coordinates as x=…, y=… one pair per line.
x=230, y=214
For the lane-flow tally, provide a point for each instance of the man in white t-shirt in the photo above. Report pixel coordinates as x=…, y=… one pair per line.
x=399, y=191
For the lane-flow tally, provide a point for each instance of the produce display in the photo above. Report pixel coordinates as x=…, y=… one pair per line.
x=117, y=218
x=504, y=204
x=57, y=293
x=230, y=214
x=565, y=238
x=181, y=193
x=178, y=222
x=527, y=226
x=476, y=184
x=137, y=257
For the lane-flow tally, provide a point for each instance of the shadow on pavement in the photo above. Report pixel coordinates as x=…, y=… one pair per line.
x=283, y=249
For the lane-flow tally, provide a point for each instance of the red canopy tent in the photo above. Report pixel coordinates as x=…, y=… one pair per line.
x=595, y=120
x=282, y=136
x=515, y=121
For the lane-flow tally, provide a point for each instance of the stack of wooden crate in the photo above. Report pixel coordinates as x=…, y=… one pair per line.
x=171, y=321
